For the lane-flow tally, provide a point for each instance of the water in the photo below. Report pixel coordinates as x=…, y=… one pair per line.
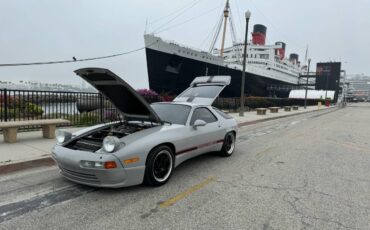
x=57, y=107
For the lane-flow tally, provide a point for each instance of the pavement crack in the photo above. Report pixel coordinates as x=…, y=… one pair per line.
x=294, y=201
x=298, y=189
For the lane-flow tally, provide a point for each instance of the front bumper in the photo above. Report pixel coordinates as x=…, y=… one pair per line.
x=68, y=161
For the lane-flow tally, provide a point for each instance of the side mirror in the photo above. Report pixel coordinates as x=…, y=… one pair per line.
x=199, y=123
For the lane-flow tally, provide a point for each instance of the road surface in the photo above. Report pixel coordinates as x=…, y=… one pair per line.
x=310, y=171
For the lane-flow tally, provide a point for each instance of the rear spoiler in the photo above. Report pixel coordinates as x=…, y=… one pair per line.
x=198, y=91
x=223, y=80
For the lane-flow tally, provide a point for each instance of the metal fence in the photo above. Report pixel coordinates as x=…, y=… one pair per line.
x=78, y=107
x=85, y=109
x=230, y=105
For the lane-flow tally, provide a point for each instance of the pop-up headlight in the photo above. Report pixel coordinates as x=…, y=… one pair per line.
x=62, y=136
x=111, y=144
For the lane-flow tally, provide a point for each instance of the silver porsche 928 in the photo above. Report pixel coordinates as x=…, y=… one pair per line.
x=150, y=140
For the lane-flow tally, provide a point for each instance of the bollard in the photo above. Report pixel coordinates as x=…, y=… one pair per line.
x=261, y=111
x=274, y=109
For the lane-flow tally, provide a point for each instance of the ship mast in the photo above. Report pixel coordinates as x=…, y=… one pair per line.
x=226, y=15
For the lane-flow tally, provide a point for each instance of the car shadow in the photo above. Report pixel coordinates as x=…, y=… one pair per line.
x=179, y=173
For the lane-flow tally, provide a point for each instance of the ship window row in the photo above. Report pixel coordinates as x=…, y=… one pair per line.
x=281, y=67
x=264, y=56
x=194, y=54
x=188, y=53
x=257, y=62
x=205, y=57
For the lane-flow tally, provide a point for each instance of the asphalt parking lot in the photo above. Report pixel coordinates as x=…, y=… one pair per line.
x=310, y=171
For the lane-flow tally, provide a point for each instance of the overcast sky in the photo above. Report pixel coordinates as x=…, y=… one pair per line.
x=44, y=30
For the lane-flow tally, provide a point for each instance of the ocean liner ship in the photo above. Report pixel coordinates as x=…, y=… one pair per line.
x=172, y=67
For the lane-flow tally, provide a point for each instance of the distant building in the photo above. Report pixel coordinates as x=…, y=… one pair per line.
x=45, y=86
x=359, y=87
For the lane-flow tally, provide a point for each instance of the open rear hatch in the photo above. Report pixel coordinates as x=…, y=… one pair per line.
x=204, y=90
x=120, y=93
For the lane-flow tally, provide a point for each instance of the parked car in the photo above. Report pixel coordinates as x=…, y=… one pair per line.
x=150, y=140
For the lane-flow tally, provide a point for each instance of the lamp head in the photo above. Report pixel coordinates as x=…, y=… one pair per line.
x=247, y=14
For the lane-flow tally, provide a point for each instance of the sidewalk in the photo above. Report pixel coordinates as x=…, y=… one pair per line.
x=31, y=150
x=29, y=146
x=252, y=117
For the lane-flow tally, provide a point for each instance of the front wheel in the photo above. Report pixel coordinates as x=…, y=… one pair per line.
x=229, y=145
x=160, y=163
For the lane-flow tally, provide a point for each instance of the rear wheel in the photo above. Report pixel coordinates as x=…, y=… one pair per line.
x=159, y=166
x=229, y=145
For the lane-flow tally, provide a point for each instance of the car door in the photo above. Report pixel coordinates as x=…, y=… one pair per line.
x=208, y=137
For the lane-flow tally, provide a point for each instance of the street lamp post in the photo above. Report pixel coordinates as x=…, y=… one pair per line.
x=336, y=91
x=326, y=87
x=247, y=16
x=344, y=89
x=308, y=72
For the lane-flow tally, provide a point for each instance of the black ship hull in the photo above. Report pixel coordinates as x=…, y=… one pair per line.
x=172, y=74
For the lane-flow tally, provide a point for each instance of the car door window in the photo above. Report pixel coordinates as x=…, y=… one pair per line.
x=203, y=114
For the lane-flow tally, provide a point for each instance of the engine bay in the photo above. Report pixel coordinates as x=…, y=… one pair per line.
x=93, y=140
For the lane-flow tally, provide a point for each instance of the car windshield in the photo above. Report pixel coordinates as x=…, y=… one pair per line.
x=173, y=113
x=207, y=91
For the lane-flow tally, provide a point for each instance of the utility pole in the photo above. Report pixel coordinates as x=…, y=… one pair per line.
x=326, y=87
x=247, y=17
x=308, y=72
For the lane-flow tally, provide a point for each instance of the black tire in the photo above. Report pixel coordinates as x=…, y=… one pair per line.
x=159, y=166
x=229, y=145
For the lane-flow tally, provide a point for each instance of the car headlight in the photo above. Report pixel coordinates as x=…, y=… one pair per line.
x=62, y=136
x=111, y=144
x=92, y=164
x=98, y=164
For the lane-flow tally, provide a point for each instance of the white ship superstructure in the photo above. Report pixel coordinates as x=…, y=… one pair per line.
x=261, y=60
x=266, y=65
x=265, y=59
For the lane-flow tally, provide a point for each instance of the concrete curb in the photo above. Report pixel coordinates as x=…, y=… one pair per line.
x=48, y=161
x=279, y=117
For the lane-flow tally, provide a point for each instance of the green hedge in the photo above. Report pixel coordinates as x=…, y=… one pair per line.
x=25, y=110
x=12, y=113
x=33, y=109
x=83, y=119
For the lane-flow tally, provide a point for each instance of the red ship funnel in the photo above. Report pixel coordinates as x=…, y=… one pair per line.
x=259, y=34
x=280, y=51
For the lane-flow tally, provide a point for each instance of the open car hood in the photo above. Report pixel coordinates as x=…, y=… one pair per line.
x=204, y=90
x=120, y=93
